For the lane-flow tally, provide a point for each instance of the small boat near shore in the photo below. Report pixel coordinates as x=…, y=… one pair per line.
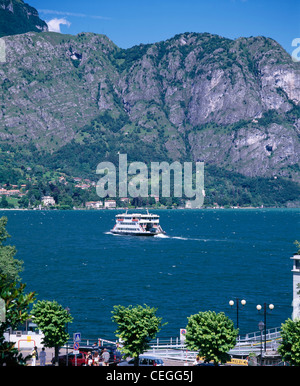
x=137, y=224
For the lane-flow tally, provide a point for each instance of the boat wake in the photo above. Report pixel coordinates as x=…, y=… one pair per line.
x=185, y=238
x=164, y=236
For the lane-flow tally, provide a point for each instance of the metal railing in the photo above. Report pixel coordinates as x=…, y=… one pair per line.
x=254, y=337
x=174, y=348
x=271, y=333
x=255, y=341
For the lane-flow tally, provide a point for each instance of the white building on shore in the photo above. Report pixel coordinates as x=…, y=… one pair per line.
x=48, y=201
x=110, y=204
x=94, y=204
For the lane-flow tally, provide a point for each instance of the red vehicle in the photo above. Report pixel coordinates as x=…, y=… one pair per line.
x=73, y=359
x=115, y=355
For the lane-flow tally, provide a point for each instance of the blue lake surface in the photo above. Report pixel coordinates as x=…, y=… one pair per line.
x=207, y=258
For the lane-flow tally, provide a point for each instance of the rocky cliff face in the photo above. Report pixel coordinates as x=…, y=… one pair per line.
x=234, y=103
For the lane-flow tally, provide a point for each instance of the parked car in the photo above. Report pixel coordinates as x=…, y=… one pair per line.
x=144, y=360
x=73, y=359
x=115, y=356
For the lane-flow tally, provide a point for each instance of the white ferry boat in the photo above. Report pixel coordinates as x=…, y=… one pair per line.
x=137, y=224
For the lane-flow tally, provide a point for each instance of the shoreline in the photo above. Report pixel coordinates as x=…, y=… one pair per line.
x=140, y=208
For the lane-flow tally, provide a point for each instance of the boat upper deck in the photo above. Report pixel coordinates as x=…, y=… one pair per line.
x=138, y=215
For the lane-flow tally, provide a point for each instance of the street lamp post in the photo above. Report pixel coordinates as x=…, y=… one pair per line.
x=261, y=326
x=259, y=307
x=231, y=303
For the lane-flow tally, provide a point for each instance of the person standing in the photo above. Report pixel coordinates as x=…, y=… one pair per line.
x=89, y=359
x=105, y=356
x=34, y=355
x=42, y=357
x=96, y=358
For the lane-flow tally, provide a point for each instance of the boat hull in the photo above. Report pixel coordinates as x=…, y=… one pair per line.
x=135, y=233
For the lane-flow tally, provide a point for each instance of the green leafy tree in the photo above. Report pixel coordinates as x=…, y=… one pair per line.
x=9, y=266
x=16, y=307
x=4, y=202
x=52, y=319
x=136, y=327
x=212, y=335
x=290, y=345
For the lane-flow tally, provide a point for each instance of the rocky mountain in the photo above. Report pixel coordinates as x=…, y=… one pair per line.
x=17, y=17
x=234, y=104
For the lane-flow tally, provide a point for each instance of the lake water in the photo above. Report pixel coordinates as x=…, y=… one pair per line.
x=207, y=258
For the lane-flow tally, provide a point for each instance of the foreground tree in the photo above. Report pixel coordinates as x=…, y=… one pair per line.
x=290, y=345
x=9, y=266
x=52, y=319
x=15, y=303
x=137, y=326
x=212, y=335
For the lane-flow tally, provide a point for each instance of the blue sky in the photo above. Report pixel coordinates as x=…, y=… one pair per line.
x=131, y=22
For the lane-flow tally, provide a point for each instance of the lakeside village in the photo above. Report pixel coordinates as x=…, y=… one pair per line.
x=67, y=193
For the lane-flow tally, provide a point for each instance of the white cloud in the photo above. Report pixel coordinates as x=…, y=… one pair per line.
x=54, y=24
